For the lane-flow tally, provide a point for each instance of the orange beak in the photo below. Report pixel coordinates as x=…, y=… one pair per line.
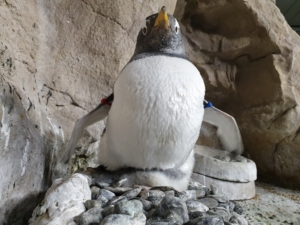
x=162, y=20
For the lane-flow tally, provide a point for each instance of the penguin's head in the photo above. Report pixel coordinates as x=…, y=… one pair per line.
x=160, y=34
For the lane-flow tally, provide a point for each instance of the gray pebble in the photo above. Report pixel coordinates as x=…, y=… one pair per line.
x=108, y=210
x=95, y=192
x=200, y=193
x=194, y=185
x=155, y=196
x=187, y=195
x=117, y=219
x=172, y=204
x=93, y=204
x=93, y=215
x=219, y=198
x=163, y=188
x=231, y=206
x=195, y=215
x=107, y=194
x=222, y=213
x=170, y=193
x=144, y=194
x=103, y=200
x=209, y=202
x=174, y=218
x=101, y=184
x=238, y=208
x=158, y=221
x=238, y=219
x=131, y=208
x=132, y=193
x=209, y=221
x=118, y=190
x=116, y=200
x=147, y=205
x=196, y=206
x=139, y=219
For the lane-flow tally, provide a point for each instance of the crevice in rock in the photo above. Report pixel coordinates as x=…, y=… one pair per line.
x=281, y=115
x=106, y=16
x=64, y=93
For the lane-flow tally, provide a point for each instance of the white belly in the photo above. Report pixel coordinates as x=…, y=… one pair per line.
x=156, y=115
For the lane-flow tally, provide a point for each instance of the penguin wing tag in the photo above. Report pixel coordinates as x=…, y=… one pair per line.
x=97, y=114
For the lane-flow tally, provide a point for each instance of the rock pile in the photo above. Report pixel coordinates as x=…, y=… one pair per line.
x=109, y=205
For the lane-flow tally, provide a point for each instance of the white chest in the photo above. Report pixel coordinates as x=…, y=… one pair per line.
x=157, y=112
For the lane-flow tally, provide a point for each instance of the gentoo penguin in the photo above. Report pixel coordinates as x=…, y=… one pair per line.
x=155, y=113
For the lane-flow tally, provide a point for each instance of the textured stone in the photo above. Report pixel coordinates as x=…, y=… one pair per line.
x=130, y=208
x=196, y=206
x=155, y=196
x=93, y=203
x=92, y=216
x=116, y=200
x=172, y=204
x=95, y=192
x=207, y=164
x=232, y=190
x=63, y=201
x=209, y=202
x=132, y=193
x=59, y=59
x=248, y=56
x=107, y=194
x=187, y=195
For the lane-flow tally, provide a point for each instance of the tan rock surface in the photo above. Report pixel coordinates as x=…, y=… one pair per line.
x=60, y=58
x=249, y=58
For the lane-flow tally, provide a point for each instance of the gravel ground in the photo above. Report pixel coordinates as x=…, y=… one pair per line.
x=272, y=206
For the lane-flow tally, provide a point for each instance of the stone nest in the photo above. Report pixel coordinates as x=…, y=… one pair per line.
x=199, y=205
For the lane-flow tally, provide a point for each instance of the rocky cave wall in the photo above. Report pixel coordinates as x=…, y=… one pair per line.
x=59, y=58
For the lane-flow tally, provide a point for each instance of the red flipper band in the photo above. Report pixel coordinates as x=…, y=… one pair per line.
x=105, y=102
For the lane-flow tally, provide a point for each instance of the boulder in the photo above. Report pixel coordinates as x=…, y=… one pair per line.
x=249, y=58
x=60, y=58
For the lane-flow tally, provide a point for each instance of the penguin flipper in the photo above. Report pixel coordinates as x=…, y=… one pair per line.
x=97, y=114
x=227, y=130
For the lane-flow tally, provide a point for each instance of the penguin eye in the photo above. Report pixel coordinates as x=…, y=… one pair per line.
x=176, y=29
x=144, y=30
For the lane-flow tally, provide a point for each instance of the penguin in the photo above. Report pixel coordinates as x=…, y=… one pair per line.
x=155, y=113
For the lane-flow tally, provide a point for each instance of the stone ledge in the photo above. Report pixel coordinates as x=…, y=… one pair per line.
x=207, y=164
x=233, y=190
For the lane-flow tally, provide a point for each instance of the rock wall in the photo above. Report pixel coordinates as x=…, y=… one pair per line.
x=249, y=58
x=58, y=59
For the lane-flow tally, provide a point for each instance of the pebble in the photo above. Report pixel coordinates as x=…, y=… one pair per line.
x=196, y=206
x=131, y=208
x=209, y=202
x=147, y=205
x=187, y=195
x=170, y=193
x=155, y=196
x=199, y=205
x=95, y=192
x=238, y=219
x=116, y=200
x=107, y=194
x=209, y=221
x=108, y=210
x=118, y=190
x=93, y=204
x=173, y=204
x=132, y=193
x=238, y=208
x=117, y=219
x=91, y=216
x=200, y=193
